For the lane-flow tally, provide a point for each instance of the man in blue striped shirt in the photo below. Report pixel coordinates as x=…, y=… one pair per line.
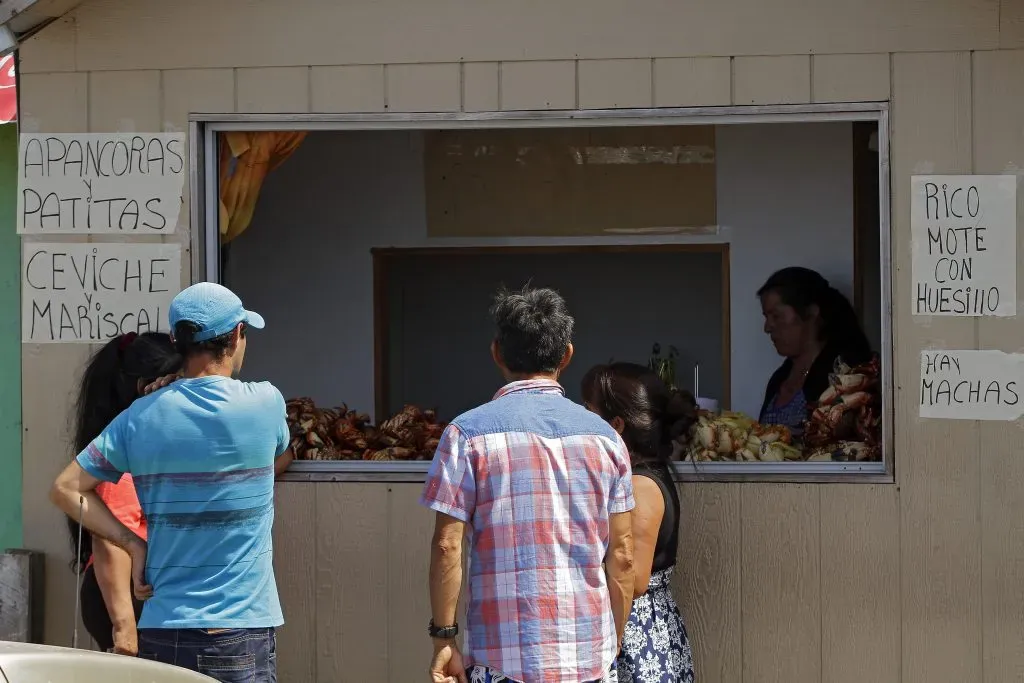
x=203, y=452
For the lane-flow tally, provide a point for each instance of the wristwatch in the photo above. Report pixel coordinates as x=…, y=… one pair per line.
x=443, y=632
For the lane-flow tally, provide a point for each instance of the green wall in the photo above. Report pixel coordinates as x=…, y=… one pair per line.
x=10, y=343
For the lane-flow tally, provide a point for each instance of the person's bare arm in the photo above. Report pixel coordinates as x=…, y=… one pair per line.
x=113, y=568
x=619, y=566
x=446, y=666
x=647, y=515
x=446, y=568
x=283, y=462
x=74, y=492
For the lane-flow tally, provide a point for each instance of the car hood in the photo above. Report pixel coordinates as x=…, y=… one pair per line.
x=26, y=663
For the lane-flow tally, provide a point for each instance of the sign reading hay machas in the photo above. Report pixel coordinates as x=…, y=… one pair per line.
x=963, y=230
x=90, y=293
x=100, y=183
x=972, y=385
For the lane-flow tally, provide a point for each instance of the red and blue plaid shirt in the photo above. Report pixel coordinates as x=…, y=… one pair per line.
x=536, y=478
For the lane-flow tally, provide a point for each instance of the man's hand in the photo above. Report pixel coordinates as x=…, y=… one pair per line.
x=159, y=383
x=137, y=549
x=126, y=640
x=447, y=665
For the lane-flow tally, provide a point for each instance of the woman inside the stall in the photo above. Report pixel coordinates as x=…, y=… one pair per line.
x=811, y=324
x=651, y=418
x=116, y=375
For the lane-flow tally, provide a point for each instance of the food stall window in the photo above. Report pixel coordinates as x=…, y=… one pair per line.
x=368, y=239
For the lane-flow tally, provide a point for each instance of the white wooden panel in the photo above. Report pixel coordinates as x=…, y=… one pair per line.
x=352, y=582
x=538, y=85
x=196, y=91
x=57, y=103
x=52, y=49
x=706, y=582
x=272, y=91
x=50, y=374
x=999, y=148
x=198, y=33
x=1011, y=24
x=615, y=83
x=51, y=103
x=192, y=91
x=860, y=579
x=937, y=460
x=410, y=528
x=295, y=534
x=480, y=86
x=693, y=82
x=781, y=583
x=772, y=80
x=423, y=87
x=850, y=78
x=340, y=89
x=124, y=101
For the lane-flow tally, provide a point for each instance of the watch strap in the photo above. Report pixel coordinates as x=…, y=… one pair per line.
x=442, y=632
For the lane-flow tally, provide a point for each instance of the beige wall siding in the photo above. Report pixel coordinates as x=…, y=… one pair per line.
x=692, y=82
x=423, y=87
x=998, y=143
x=192, y=33
x=938, y=466
x=347, y=88
x=918, y=581
x=850, y=78
x=772, y=80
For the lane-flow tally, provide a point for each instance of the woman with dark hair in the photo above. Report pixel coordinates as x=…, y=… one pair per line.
x=115, y=376
x=811, y=324
x=653, y=421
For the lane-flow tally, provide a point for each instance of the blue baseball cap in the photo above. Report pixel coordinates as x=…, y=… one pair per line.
x=214, y=308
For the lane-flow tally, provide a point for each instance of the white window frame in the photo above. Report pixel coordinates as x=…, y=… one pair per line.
x=205, y=245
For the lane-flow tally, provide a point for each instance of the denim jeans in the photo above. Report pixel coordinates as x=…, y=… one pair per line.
x=235, y=655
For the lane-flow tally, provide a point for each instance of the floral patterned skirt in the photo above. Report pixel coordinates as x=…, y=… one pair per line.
x=655, y=648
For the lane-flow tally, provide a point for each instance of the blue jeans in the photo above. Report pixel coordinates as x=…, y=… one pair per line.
x=234, y=655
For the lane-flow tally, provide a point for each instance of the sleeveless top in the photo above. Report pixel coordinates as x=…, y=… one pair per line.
x=667, y=545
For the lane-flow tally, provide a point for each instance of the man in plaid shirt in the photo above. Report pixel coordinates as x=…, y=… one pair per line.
x=541, y=488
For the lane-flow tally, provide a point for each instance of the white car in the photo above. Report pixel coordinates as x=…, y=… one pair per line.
x=24, y=663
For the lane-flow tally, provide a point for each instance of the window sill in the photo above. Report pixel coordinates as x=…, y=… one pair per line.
x=794, y=472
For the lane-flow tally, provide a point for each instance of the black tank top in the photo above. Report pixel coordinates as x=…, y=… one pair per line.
x=667, y=545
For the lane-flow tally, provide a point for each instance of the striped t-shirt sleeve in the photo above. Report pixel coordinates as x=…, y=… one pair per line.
x=106, y=457
x=284, y=437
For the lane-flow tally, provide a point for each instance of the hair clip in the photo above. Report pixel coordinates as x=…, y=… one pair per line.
x=126, y=340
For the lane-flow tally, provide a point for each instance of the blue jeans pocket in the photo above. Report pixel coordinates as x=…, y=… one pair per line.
x=228, y=668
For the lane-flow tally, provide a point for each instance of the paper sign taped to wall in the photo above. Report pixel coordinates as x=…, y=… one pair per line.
x=98, y=183
x=963, y=232
x=972, y=385
x=89, y=293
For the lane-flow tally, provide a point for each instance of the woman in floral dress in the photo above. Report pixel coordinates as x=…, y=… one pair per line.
x=651, y=419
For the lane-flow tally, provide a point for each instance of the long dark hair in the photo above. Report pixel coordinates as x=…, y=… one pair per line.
x=655, y=418
x=109, y=384
x=802, y=288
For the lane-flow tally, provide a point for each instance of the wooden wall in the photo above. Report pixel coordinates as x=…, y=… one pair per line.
x=921, y=581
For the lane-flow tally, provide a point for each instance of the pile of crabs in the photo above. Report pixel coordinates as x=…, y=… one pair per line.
x=843, y=425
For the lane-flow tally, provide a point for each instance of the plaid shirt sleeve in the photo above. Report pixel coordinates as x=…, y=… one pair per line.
x=451, y=482
x=106, y=458
x=621, y=499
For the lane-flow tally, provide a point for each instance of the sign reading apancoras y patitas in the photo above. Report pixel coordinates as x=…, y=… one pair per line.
x=100, y=183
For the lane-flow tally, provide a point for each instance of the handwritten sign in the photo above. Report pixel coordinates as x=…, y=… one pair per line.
x=972, y=385
x=964, y=231
x=89, y=293
x=95, y=183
